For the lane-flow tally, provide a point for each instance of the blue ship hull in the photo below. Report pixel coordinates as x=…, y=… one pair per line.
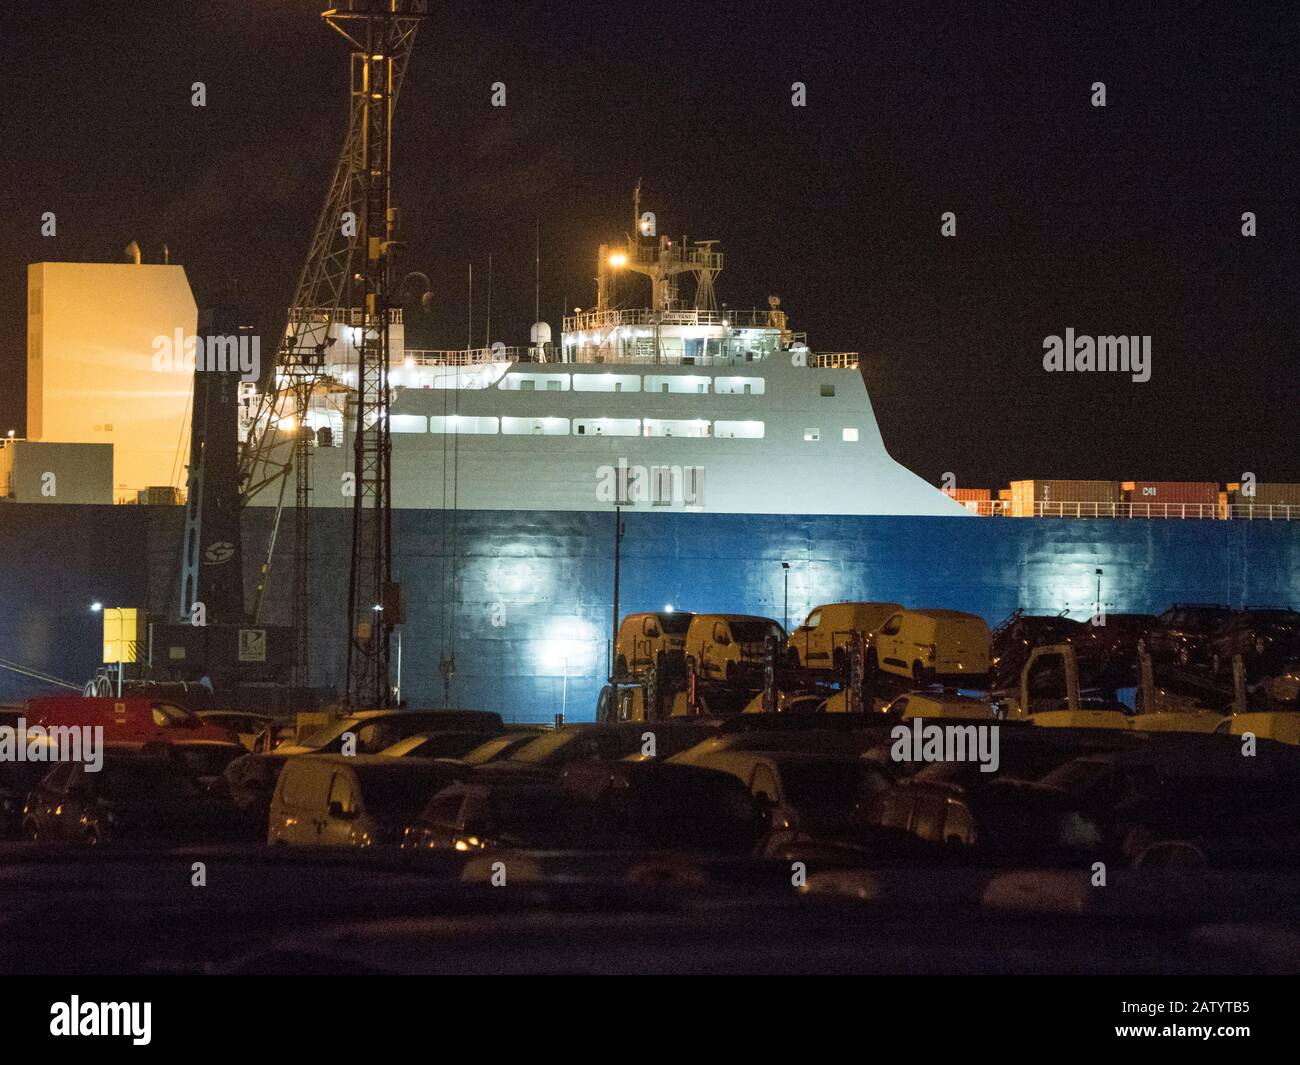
x=523, y=600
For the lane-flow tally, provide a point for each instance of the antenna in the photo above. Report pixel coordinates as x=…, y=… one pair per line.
x=469, y=337
x=537, y=272
x=487, y=329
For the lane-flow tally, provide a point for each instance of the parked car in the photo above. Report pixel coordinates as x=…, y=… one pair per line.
x=1268, y=640
x=377, y=729
x=1196, y=789
x=1183, y=631
x=246, y=725
x=929, y=646
x=1007, y=822
x=204, y=760
x=650, y=641
x=331, y=800
x=498, y=747
x=16, y=782
x=134, y=798
x=1108, y=652
x=1021, y=633
x=729, y=646
x=950, y=705
x=822, y=641
x=438, y=744
x=486, y=814
x=546, y=755
x=814, y=792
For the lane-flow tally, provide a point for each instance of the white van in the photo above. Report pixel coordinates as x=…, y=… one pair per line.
x=725, y=646
x=366, y=800
x=929, y=646
x=821, y=642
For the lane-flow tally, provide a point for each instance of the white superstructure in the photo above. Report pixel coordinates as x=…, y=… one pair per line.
x=668, y=406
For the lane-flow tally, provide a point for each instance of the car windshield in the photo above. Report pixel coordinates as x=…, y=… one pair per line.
x=753, y=631
x=145, y=781
x=675, y=624
x=395, y=796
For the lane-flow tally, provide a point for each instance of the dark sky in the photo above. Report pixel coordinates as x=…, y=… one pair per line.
x=1124, y=220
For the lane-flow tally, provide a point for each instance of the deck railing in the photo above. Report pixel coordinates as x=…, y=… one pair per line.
x=1001, y=508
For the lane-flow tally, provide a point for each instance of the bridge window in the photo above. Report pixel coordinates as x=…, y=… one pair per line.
x=749, y=430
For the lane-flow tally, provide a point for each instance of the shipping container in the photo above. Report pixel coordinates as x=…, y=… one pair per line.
x=1203, y=493
x=1266, y=495
x=969, y=495
x=1030, y=497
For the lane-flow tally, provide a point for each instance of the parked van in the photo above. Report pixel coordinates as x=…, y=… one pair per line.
x=926, y=646
x=130, y=719
x=334, y=800
x=648, y=641
x=726, y=646
x=821, y=642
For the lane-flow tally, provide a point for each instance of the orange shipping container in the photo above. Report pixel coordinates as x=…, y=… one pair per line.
x=1204, y=493
x=969, y=495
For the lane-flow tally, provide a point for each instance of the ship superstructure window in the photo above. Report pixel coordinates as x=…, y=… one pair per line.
x=850, y=435
x=535, y=382
x=748, y=430
x=812, y=435
x=739, y=386
x=408, y=423
x=691, y=427
x=828, y=391
x=463, y=424
x=607, y=427
x=535, y=426
x=606, y=382
x=677, y=384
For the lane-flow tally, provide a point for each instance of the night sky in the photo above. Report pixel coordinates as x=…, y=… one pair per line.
x=1117, y=220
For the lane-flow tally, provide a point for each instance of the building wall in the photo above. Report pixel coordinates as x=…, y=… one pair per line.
x=35, y=472
x=532, y=590
x=91, y=375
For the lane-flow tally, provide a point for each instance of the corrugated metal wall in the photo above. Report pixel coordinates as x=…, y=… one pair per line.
x=532, y=591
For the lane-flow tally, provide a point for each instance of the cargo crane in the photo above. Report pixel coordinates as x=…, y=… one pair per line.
x=344, y=283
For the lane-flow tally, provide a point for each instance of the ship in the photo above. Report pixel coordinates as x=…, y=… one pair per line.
x=672, y=404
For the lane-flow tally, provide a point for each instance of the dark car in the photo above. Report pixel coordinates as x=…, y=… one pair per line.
x=376, y=730
x=134, y=798
x=16, y=781
x=1005, y=823
x=1020, y=634
x=1268, y=641
x=546, y=755
x=1182, y=632
x=487, y=814
x=1110, y=650
x=1195, y=790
